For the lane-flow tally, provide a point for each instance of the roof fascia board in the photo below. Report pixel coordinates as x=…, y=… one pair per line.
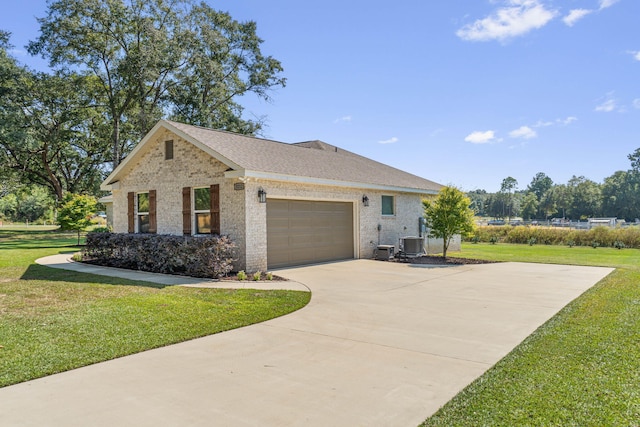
x=323, y=181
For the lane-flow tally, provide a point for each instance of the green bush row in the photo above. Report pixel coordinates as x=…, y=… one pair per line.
x=600, y=236
x=201, y=256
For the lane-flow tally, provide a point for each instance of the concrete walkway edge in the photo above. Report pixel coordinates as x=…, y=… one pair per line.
x=64, y=262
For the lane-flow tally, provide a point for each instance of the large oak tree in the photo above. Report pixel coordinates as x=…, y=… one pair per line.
x=49, y=134
x=153, y=58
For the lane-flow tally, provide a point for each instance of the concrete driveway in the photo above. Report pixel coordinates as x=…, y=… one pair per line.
x=380, y=344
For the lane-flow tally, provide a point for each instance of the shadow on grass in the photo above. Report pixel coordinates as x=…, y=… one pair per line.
x=41, y=272
x=71, y=247
x=37, y=239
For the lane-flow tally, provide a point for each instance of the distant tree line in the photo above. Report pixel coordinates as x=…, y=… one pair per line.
x=580, y=198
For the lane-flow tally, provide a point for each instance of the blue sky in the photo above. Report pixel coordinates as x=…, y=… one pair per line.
x=462, y=92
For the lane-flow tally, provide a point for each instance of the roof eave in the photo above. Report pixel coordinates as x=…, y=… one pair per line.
x=323, y=181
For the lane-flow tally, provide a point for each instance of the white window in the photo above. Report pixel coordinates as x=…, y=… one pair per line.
x=388, y=205
x=202, y=210
x=143, y=212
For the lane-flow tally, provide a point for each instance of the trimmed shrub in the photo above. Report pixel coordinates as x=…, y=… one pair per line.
x=201, y=256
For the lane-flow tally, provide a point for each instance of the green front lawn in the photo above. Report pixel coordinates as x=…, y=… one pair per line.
x=55, y=320
x=581, y=368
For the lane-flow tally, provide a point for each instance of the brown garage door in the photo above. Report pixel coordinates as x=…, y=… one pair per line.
x=305, y=232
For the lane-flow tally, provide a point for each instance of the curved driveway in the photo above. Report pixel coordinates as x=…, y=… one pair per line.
x=380, y=344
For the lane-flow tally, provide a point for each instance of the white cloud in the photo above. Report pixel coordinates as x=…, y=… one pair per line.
x=479, y=137
x=636, y=103
x=607, y=3
x=389, y=141
x=575, y=15
x=516, y=18
x=607, y=106
x=568, y=120
x=524, y=132
x=636, y=54
x=564, y=122
x=345, y=119
x=542, y=124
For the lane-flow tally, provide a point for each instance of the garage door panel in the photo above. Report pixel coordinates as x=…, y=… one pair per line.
x=300, y=223
x=304, y=232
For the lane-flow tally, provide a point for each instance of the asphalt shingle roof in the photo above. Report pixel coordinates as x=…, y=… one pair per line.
x=315, y=159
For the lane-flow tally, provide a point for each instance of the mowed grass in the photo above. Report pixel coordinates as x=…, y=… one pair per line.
x=55, y=320
x=551, y=254
x=581, y=368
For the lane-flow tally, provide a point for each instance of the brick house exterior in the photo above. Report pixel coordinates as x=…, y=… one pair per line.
x=176, y=167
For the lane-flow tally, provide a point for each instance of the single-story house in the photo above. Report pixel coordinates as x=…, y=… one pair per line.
x=282, y=204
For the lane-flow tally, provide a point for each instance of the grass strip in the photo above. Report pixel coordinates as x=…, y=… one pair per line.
x=581, y=368
x=552, y=254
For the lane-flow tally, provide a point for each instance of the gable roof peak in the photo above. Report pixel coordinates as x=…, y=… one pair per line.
x=317, y=144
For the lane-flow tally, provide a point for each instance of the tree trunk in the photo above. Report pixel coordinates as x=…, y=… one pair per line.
x=445, y=246
x=116, y=141
x=53, y=179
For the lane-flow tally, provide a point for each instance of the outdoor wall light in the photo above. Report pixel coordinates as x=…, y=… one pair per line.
x=365, y=200
x=262, y=195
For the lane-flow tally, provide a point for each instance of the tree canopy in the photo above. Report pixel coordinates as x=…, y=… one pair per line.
x=49, y=133
x=153, y=58
x=116, y=68
x=449, y=214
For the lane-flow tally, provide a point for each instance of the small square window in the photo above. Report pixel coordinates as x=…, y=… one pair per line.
x=388, y=205
x=168, y=150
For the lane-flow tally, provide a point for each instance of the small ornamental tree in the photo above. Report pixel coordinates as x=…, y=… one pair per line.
x=76, y=212
x=449, y=214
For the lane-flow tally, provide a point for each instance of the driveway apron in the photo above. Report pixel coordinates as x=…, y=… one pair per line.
x=380, y=344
